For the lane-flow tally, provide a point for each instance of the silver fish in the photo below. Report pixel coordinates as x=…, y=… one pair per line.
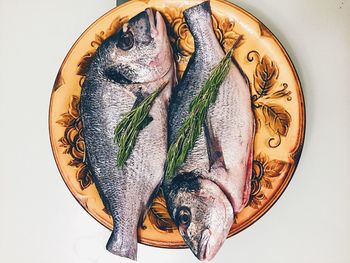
x=214, y=182
x=128, y=66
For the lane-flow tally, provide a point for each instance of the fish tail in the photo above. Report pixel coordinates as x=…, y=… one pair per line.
x=123, y=245
x=198, y=19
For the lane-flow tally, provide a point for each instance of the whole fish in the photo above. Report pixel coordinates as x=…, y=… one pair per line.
x=128, y=66
x=214, y=182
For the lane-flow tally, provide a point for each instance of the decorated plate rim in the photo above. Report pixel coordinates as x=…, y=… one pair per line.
x=295, y=153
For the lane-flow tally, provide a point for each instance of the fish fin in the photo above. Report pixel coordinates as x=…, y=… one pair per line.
x=234, y=61
x=176, y=79
x=247, y=189
x=147, y=121
x=104, y=199
x=192, y=16
x=140, y=96
x=214, y=149
x=117, y=246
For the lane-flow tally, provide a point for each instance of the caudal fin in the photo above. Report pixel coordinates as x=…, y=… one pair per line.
x=198, y=19
x=123, y=245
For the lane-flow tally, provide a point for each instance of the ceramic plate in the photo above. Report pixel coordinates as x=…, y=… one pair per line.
x=276, y=95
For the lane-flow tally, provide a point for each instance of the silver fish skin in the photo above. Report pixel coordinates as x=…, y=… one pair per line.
x=214, y=182
x=127, y=67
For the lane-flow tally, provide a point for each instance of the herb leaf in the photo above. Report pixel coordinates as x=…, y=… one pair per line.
x=127, y=130
x=192, y=126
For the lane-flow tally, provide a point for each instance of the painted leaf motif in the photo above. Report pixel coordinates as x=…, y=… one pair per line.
x=265, y=76
x=159, y=216
x=265, y=182
x=74, y=107
x=218, y=30
x=255, y=203
x=65, y=120
x=75, y=162
x=255, y=188
x=84, y=177
x=281, y=93
x=261, y=158
x=84, y=64
x=264, y=171
x=63, y=142
x=274, y=168
x=277, y=118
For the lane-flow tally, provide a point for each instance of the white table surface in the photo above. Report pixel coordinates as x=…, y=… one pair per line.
x=40, y=220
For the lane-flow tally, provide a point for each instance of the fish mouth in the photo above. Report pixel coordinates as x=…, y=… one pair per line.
x=156, y=22
x=203, y=246
x=210, y=242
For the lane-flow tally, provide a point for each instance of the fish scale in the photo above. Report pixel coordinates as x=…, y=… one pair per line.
x=214, y=182
x=119, y=72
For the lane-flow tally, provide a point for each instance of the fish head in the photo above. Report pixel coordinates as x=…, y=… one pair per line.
x=139, y=52
x=201, y=212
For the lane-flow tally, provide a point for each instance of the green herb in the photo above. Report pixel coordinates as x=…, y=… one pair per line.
x=127, y=130
x=192, y=126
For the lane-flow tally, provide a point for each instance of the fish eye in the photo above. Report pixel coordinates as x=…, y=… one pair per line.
x=184, y=216
x=126, y=41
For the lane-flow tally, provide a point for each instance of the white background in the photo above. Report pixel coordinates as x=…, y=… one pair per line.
x=41, y=222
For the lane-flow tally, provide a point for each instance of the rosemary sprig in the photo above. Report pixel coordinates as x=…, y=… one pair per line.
x=192, y=126
x=127, y=130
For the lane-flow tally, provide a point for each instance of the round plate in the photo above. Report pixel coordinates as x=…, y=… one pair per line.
x=276, y=95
